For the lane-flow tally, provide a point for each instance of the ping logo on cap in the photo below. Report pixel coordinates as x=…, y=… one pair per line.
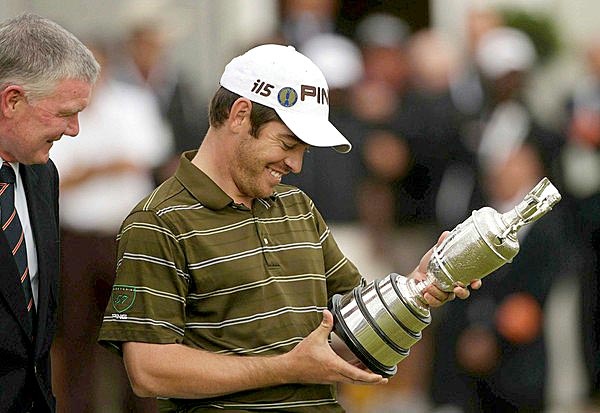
x=320, y=93
x=287, y=97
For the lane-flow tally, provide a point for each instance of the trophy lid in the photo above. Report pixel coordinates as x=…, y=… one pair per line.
x=535, y=205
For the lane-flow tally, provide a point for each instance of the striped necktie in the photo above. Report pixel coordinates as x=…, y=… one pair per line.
x=11, y=225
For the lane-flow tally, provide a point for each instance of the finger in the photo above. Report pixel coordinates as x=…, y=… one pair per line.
x=363, y=383
x=327, y=322
x=437, y=294
x=422, y=267
x=462, y=292
x=432, y=300
x=358, y=376
x=476, y=284
x=321, y=333
x=442, y=237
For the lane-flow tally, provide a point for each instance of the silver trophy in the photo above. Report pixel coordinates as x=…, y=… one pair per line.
x=380, y=321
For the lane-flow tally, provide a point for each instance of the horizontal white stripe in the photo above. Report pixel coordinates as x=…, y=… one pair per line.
x=148, y=258
x=249, y=253
x=163, y=211
x=244, y=223
x=153, y=260
x=150, y=198
x=265, y=203
x=275, y=405
x=144, y=321
x=159, y=293
x=151, y=227
x=336, y=267
x=262, y=349
x=323, y=237
x=258, y=284
x=290, y=192
x=255, y=317
x=283, y=218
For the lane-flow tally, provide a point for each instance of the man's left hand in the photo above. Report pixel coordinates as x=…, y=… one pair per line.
x=433, y=295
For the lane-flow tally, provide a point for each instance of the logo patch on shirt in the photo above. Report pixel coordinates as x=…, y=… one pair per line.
x=123, y=297
x=287, y=97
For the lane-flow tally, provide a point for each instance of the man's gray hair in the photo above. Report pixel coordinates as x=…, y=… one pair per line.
x=37, y=53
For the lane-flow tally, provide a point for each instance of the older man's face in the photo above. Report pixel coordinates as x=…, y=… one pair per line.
x=37, y=124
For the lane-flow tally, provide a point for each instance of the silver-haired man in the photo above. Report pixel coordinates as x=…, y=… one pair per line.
x=46, y=79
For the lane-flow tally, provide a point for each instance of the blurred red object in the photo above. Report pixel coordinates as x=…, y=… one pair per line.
x=519, y=318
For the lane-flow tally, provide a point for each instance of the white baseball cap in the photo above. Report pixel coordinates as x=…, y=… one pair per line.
x=290, y=83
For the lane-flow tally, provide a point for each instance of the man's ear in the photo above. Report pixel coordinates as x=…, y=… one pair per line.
x=239, y=114
x=10, y=97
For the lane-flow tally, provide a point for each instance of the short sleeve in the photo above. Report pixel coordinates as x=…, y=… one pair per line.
x=148, y=298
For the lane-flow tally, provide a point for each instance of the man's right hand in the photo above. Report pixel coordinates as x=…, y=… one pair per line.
x=314, y=361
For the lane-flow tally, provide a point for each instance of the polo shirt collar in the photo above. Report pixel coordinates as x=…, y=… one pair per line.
x=202, y=187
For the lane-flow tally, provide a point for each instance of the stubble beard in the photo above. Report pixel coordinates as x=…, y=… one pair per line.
x=248, y=173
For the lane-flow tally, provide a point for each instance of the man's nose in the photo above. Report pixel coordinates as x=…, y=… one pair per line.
x=294, y=159
x=72, y=126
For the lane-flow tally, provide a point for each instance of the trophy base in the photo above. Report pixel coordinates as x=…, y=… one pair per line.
x=345, y=333
x=378, y=322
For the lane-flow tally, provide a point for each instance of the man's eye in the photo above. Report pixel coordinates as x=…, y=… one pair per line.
x=287, y=147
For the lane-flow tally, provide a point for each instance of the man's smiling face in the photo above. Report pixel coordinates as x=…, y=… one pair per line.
x=36, y=124
x=260, y=162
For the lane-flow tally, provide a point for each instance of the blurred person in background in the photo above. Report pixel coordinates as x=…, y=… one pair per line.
x=489, y=352
x=378, y=103
x=469, y=93
x=581, y=167
x=382, y=38
x=580, y=157
x=301, y=20
x=145, y=61
x=46, y=80
x=505, y=57
x=104, y=173
x=444, y=167
x=588, y=225
x=466, y=88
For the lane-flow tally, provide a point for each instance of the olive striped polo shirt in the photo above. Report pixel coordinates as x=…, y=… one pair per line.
x=195, y=268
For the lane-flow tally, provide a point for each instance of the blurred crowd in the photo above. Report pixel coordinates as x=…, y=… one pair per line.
x=437, y=132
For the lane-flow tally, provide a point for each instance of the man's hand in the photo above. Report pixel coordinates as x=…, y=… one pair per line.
x=433, y=295
x=314, y=361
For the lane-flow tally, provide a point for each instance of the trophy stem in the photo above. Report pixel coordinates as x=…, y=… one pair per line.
x=415, y=298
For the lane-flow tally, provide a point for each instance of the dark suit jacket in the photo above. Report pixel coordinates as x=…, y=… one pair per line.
x=24, y=353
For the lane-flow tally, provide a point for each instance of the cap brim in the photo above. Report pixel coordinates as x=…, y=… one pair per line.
x=315, y=131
